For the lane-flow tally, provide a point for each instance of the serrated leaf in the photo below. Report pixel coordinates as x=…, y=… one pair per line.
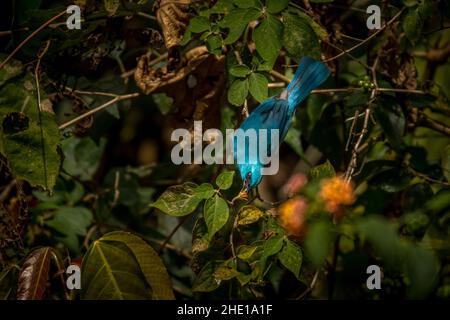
x=275, y=6
x=249, y=214
x=179, y=200
x=240, y=71
x=299, y=38
x=216, y=214
x=34, y=274
x=267, y=36
x=291, y=257
x=31, y=149
x=121, y=266
x=225, y=180
x=238, y=91
x=258, y=86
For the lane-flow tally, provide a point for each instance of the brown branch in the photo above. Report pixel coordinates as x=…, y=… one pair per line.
x=432, y=124
x=117, y=98
x=35, y=32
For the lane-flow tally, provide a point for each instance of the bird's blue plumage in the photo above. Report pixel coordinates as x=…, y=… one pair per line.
x=276, y=113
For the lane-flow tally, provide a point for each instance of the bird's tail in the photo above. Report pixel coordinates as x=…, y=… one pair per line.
x=309, y=75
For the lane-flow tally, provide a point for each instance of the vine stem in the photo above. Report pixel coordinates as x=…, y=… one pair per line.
x=31, y=36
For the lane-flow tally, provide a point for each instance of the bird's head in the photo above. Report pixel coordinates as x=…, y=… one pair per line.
x=251, y=176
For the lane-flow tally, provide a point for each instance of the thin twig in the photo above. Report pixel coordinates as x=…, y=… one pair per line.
x=169, y=237
x=367, y=39
x=311, y=286
x=24, y=42
x=117, y=99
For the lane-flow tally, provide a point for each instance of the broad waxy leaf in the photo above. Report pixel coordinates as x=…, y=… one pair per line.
x=225, y=180
x=291, y=257
x=29, y=138
x=216, y=214
x=122, y=266
x=240, y=71
x=258, y=86
x=199, y=24
x=205, y=191
x=179, y=200
x=236, y=21
x=34, y=274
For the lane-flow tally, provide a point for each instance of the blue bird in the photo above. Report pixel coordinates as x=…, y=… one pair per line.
x=276, y=113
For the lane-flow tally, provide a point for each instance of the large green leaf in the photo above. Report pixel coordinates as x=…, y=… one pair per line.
x=71, y=222
x=205, y=281
x=225, y=180
x=236, y=21
x=275, y=6
x=267, y=36
x=238, y=92
x=34, y=275
x=299, y=38
x=29, y=137
x=122, y=266
x=258, y=86
x=216, y=214
x=249, y=214
x=179, y=200
x=318, y=242
x=291, y=257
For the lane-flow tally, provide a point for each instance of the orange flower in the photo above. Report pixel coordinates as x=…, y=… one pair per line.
x=295, y=184
x=336, y=192
x=292, y=215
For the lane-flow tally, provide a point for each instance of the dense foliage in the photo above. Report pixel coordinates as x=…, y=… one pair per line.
x=87, y=178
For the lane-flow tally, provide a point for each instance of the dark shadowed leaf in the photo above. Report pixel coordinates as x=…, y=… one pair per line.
x=238, y=91
x=291, y=257
x=299, y=38
x=205, y=281
x=318, y=242
x=258, y=86
x=34, y=274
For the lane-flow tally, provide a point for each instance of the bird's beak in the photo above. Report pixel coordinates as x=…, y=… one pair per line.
x=245, y=188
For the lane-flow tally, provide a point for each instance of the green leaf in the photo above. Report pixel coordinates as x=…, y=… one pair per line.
x=392, y=121
x=258, y=86
x=238, y=91
x=214, y=44
x=216, y=214
x=291, y=257
x=8, y=282
x=223, y=273
x=267, y=36
x=249, y=214
x=245, y=252
x=225, y=180
x=122, y=266
x=199, y=24
x=245, y=3
x=204, y=191
x=34, y=275
x=299, y=38
x=294, y=141
x=71, y=223
x=445, y=162
x=271, y=247
x=111, y=6
x=29, y=138
x=322, y=171
x=318, y=242
x=179, y=200
x=205, y=281
x=200, y=240
x=82, y=156
x=236, y=21
x=163, y=101
x=275, y=6
x=240, y=71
